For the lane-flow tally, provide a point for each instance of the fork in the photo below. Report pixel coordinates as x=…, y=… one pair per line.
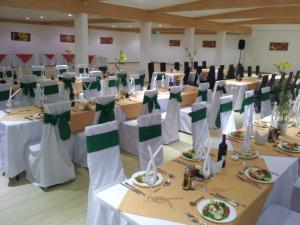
x=193, y=219
x=170, y=175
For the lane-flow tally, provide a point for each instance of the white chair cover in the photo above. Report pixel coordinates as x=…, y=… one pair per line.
x=5, y=93
x=214, y=107
x=170, y=124
x=95, y=73
x=49, y=162
x=29, y=94
x=266, y=108
x=7, y=74
x=60, y=69
x=248, y=109
x=49, y=91
x=198, y=118
x=158, y=80
x=134, y=82
x=38, y=71
x=226, y=115
x=112, y=89
x=278, y=215
x=202, y=95
x=145, y=108
x=123, y=76
x=68, y=77
x=149, y=135
x=104, y=163
x=91, y=87
x=296, y=109
x=82, y=70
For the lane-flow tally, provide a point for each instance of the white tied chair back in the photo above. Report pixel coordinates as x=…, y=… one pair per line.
x=158, y=80
x=105, y=166
x=82, y=69
x=204, y=93
x=248, y=109
x=124, y=80
x=29, y=93
x=200, y=132
x=68, y=79
x=265, y=101
x=150, y=134
x=134, y=83
x=91, y=87
x=49, y=91
x=49, y=162
x=150, y=103
x=170, y=123
x=38, y=71
x=5, y=93
x=225, y=117
x=6, y=73
x=111, y=85
x=105, y=105
x=60, y=69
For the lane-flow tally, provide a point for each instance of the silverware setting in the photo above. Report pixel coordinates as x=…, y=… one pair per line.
x=247, y=180
x=193, y=219
x=230, y=201
x=170, y=175
x=137, y=190
x=194, y=203
x=179, y=162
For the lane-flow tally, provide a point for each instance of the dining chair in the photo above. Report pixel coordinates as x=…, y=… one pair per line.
x=49, y=91
x=198, y=75
x=170, y=118
x=225, y=117
x=204, y=66
x=38, y=71
x=163, y=67
x=150, y=72
x=187, y=71
x=112, y=85
x=177, y=66
x=249, y=71
x=48, y=162
x=265, y=102
x=220, y=74
x=231, y=72
x=60, y=69
x=295, y=88
x=272, y=81
x=67, y=89
x=82, y=70
x=5, y=93
x=289, y=80
x=105, y=168
x=240, y=70
x=29, y=95
x=195, y=65
x=150, y=103
x=257, y=70
x=186, y=65
x=134, y=82
x=211, y=77
x=103, y=69
x=122, y=76
x=158, y=80
x=149, y=135
x=248, y=109
x=91, y=87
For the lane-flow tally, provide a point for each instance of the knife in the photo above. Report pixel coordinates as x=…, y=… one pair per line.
x=139, y=191
x=224, y=199
x=231, y=200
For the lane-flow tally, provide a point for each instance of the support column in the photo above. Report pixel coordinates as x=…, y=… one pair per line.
x=81, y=38
x=189, y=34
x=145, y=46
x=220, y=48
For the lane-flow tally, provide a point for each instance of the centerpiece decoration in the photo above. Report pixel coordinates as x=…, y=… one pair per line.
x=284, y=106
x=190, y=54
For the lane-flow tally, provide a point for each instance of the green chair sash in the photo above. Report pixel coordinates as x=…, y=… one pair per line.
x=264, y=96
x=198, y=115
x=103, y=69
x=147, y=133
x=1, y=74
x=222, y=88
x=103, y=141
x=68, y=83
x=51, y=89
x=28, y=89
x=142, y=80
x=247, y=101
x=37, y=73
x=176, y=96
x=81, y=70
x=61, y=71
x=152, y=102
x=297, y=90
x=223, y=108
x=4, y=95
x=107, y=112
x=137, y=81
x=91, y=85
x=63, y=123
x=160, y=76
x=203, y=95
x=111, y=83
x=123, y=78
x=8, y=73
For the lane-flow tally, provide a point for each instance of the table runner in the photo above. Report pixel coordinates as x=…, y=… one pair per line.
x=173, y=201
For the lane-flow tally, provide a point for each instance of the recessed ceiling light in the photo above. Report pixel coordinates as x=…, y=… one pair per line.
x=42, y=17
x=70, y=14
x=113, y=26
x=27, y=18
x=130, y=26
x=160, y=25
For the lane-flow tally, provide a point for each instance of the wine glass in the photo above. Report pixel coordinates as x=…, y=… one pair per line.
x=151, y=180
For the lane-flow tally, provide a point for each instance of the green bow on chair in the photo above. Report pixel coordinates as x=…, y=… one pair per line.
x=223, y=108
x=91, y=85
x=107, y=112
x=4, y=95
x=37, y=73
x=142, y=80
x=222, y=88
x=203, y=95
x=68, y=83
x=63, y=123
x=261, y=98
x=177, y=96
x=112, y=83
x=296, y=90
x=28, y=88
x=247, y=101
x=198, y=115
x=123, y=78
x=152, y=102
x=160, y=76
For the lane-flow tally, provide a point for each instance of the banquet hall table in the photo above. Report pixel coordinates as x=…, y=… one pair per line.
x=124, y=207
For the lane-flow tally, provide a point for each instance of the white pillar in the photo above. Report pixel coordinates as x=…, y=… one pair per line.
x=81, y=38
x=145, y=46
x=189, y=34
x=220, y=48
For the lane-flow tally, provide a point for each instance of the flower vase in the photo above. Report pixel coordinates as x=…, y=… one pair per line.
x=282, y=126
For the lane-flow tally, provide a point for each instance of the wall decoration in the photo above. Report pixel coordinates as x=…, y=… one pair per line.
x=20, y=36
x=106, y=40
x=279, y=46
x=174, y=43
x=209, y=44
x=67, y=38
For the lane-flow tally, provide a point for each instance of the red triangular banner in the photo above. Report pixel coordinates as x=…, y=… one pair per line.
x=91, y=57
x=24, y=57
x=69, y=57
x=2, y=56
x=49, y=56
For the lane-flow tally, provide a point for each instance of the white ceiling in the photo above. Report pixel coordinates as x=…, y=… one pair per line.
x=147, y=4
x=128, y=25
x=234, y=20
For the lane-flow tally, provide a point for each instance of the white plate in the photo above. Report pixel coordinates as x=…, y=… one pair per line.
x=231, y=217
x=231, y=136
x=247, y=157
x=258, y=124
x=259, y=181
x=193, y=160
x=282, y=148
x=158, y=182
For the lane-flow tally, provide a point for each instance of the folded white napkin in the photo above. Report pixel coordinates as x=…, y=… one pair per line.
x=151, y=173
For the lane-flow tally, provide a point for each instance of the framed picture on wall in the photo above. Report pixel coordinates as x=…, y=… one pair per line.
x=279, y=46
x=106, y=40
x=20, y=36
x=209, y=44
x=174, y=43
x=67, y=38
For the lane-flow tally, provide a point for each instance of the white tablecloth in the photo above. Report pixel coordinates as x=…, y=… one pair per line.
x=111, y=198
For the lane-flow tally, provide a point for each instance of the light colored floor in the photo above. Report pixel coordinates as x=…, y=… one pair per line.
x=24, y=204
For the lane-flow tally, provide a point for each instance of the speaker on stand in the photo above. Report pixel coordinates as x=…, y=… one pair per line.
x=241, y=47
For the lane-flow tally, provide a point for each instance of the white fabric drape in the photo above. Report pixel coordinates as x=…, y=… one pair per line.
x=249, y=111
x=227, y=118
x=266, y=108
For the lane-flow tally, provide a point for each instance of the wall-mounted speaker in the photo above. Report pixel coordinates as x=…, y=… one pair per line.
x=242, y=44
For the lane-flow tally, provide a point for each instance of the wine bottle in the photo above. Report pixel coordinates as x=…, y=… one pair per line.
x=222, y=150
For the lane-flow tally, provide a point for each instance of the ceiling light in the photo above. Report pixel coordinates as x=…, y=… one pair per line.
x=130, y=26
x=70, y=14
x=27, y=18
x=113, y=26
x=159, y=25
x=42, y=17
